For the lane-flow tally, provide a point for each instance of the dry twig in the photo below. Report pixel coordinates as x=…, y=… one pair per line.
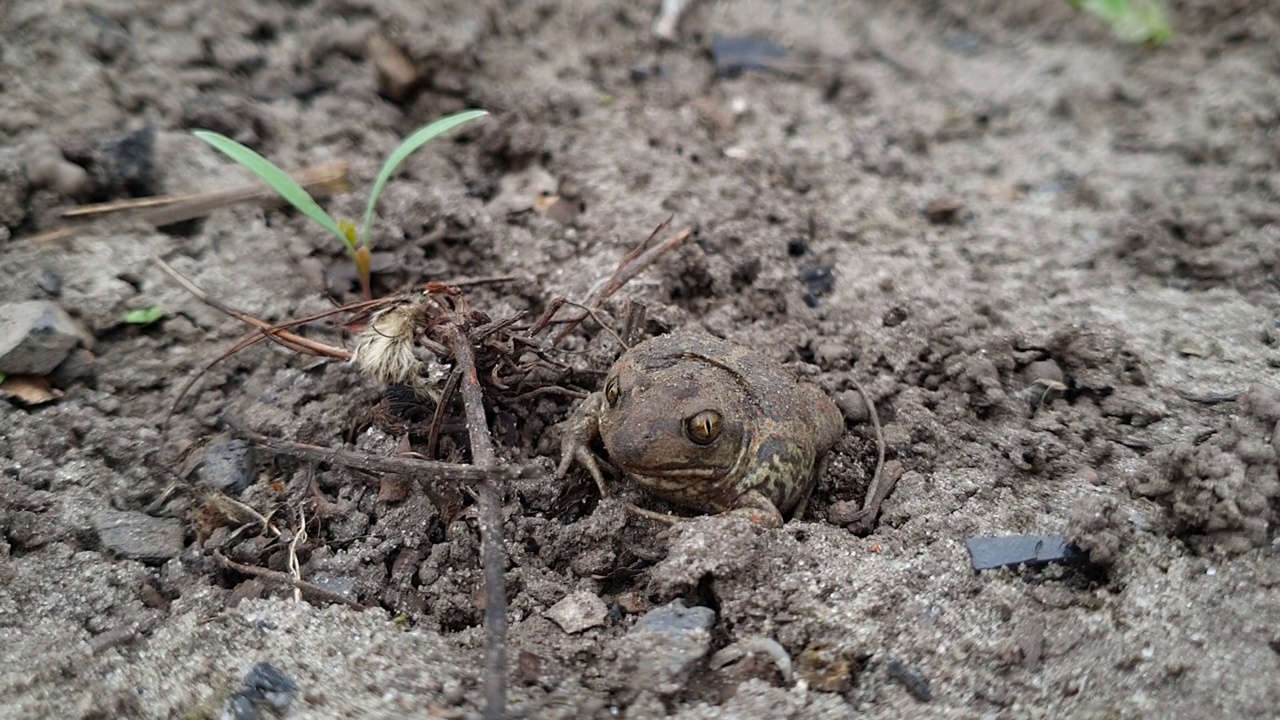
x=310, y=589
x=159, y=211
x=490, y=512
x=426, y=470
x=636, y=261
x=881, y=483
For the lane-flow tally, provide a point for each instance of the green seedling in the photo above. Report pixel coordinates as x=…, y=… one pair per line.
x=356, y=242
x=144, y=317
x=1137, y=21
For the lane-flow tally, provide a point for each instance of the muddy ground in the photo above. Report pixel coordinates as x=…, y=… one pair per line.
x=949, y=206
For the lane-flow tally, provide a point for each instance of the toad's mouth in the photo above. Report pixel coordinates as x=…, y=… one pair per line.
x=698, y=469
x=678, y=471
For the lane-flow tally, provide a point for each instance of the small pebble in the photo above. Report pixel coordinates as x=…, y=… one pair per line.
x=1043, y=370
x=945, y=211
x=831, y=354
x=578, y=611
x=853, y=406
x=844, y=512
x=825, y=667
x=138, y=536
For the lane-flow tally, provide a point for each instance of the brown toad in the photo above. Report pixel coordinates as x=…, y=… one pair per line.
x=708, y=425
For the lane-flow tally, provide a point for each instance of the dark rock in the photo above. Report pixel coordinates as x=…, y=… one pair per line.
x=227, y=466
x=913, y=681
x=29, y=531
x=35, y=337
x=732, y=55
x=79, y=368
x=268, y=684
x=1014, y=550
x=819, y=280
x=15, y=191
x=137, y=536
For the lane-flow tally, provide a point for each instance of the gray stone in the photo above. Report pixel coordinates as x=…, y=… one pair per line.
x=674, y=618
x=661, y=650
x=1008, y=551
x=138, y=536
x=227, y=466
x=578, y=611
x=35, y=337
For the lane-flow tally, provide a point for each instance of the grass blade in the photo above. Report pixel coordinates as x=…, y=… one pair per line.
x=419, y=138
x=1136, y=21
x=277, y=179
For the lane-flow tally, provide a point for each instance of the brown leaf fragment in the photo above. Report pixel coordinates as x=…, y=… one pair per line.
x=397, y=76
x=29, y=390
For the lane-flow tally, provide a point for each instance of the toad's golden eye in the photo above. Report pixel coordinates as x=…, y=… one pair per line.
x=704, y=427
x=611, y=391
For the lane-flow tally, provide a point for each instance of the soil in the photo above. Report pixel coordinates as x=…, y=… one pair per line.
x=1052, y=259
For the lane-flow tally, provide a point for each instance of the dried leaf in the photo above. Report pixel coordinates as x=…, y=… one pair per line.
x=29, y=389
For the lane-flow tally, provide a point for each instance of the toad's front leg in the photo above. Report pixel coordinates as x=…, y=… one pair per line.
x=757, y=508
x=580, y=431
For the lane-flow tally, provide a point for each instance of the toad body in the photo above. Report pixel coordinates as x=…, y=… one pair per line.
x=708, y=425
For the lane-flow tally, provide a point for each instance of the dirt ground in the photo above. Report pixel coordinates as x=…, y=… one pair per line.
x=1052, y=258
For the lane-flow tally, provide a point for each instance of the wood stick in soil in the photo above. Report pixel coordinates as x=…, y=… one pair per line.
x=490, y=511
x=426, y=470
x=637, y=260
x=159, y=211
x=301, y=585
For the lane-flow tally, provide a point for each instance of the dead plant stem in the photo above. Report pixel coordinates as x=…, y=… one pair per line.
x=426, y=470
x=490, y=510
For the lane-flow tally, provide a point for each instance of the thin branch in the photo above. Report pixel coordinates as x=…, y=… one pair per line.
x=490, y=511
x=427, y=470
x=314, y=591
x=881, y=483
x=636, y=261
x=296, y=342
x=159, y=211
x=442, y=406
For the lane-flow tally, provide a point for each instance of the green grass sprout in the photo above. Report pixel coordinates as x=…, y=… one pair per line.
x=406, y=148
x=356, y=242
x=1136, y=21
x=144, y=316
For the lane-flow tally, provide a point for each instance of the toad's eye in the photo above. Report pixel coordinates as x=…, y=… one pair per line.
x=704, y=427
x=611, y=391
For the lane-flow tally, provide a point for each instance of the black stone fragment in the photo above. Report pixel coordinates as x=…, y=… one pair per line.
x=263, y=685
x=227, y=466
x=130, y=161
x=910, y=679
x=732, y=55
x=987, y=553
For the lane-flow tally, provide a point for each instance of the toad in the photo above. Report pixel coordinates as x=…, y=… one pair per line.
x=707, y=425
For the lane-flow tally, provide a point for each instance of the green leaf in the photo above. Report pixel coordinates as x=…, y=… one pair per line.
x=2, y=378
x=406, y=148
x=145, y=316
x=278, y=180
x=1138, y=21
